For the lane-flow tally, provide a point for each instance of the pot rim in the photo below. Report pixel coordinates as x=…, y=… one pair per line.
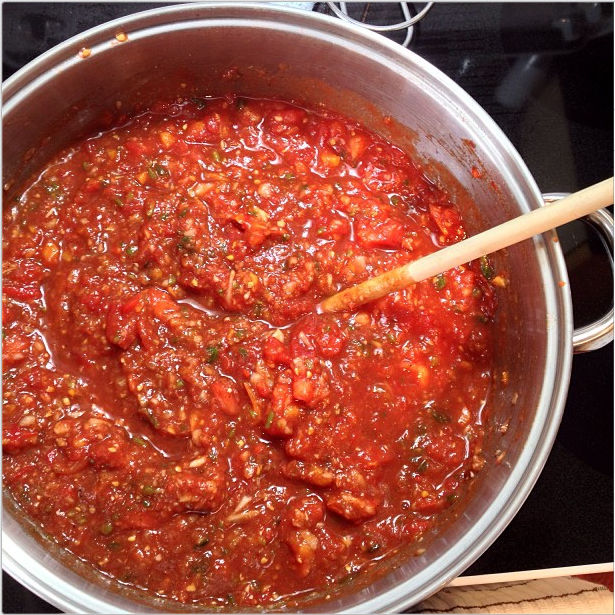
x=25, y=568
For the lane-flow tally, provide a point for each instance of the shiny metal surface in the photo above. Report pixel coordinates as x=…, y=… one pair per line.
x=599, y=333
x=315, y=59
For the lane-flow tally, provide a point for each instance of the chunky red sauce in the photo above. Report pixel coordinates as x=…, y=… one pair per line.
x=176, y=414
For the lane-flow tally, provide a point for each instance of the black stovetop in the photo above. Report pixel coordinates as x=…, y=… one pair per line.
x=544, y=72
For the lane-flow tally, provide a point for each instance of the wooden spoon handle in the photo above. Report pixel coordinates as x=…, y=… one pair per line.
x=507, y=234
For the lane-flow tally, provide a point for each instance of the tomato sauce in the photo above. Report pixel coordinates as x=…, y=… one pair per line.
x=176, y=413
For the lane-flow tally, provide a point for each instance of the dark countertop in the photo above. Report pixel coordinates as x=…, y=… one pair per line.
x=544, y=72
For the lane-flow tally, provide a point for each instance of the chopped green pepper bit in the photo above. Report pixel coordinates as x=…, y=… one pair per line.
x=213, y=354
x=486, y=268
x=440, y=281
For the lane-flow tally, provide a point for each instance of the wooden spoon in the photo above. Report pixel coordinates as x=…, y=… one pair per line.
x=523, y=227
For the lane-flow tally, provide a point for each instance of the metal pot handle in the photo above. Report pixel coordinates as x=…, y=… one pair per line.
x=600, y=332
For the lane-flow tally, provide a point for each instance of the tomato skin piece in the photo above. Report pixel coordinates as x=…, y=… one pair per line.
x=276, y=352
x=380, y=234
x=63, y=465
x=136, y=147
x=448, y=221
x=121, y=326
x=448, y=450
x=16, y=438
x=329, y=339
x=226, y=395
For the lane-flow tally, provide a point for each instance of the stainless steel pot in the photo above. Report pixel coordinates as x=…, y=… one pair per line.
x=264, y=50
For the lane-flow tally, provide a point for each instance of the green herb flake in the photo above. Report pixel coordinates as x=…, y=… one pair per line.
x=269, y=419
x=486, y=268
x=179, y=384
x=243, y=352
x=132, y=250
x=151, y=173
x=213, y=354
x=148, y=490
x=216, y=155
x=440, y=281
x=139, y=441
x=118, y=202
x=106, y=528
x=149, y=413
